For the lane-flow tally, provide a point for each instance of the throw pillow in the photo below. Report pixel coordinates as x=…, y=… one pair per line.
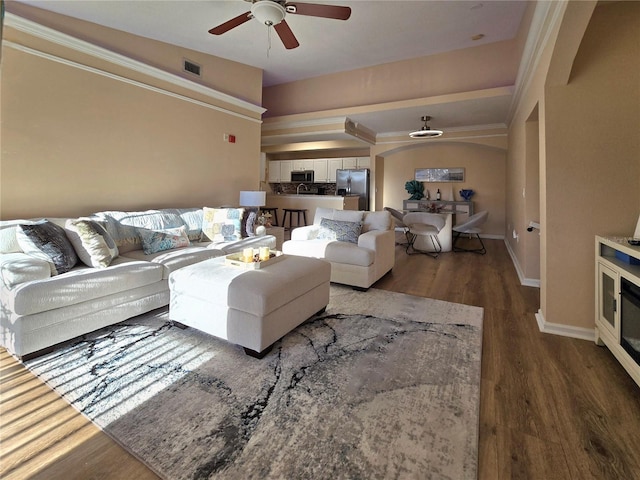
x=159, y=241
x=93, y=244
x=222, y=224
x=340, y=230
x=49, y=242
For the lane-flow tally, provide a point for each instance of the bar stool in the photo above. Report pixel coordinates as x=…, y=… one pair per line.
x=274, y=214
x=291, y=211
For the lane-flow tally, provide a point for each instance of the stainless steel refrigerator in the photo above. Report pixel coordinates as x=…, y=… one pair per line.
x=354, y=182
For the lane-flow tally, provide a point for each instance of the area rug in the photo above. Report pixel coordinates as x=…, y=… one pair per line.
x=381, y=385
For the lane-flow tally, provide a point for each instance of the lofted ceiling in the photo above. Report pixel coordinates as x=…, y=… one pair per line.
x=377, y=32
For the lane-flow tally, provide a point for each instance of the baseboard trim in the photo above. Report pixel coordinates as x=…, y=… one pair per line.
x=564, y=330
x=524, y=281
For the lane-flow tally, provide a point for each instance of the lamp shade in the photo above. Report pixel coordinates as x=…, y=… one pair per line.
x=253, y=198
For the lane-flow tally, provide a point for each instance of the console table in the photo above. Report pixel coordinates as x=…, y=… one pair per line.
x=446, y=206
x=617, y=262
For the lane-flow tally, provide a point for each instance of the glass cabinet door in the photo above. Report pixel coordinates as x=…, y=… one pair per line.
x=608, y=292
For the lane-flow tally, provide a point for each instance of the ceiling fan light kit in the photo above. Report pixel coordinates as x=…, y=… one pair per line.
x=268, y=13
x=272, y=13
x=426, y=131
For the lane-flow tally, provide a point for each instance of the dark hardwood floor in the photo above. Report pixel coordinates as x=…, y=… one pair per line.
x=551, y=407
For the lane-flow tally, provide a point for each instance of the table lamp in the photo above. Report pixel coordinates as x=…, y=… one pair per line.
x=252, y=200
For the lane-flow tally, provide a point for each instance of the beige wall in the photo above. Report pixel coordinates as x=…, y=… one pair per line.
x=485, y=170
x=238, y=80
x=593, y=158
x=75, y=141
x=484, y=67
x=584, y=106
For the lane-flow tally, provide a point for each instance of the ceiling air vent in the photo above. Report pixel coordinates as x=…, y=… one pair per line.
x=193, y=68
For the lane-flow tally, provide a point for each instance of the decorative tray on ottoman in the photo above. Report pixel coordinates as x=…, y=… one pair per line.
x=236, y=259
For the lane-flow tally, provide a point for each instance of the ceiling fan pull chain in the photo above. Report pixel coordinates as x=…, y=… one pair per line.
x=268, y=41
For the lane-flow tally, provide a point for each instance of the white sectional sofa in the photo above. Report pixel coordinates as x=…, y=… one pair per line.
x=359, y=245
x=40, y=307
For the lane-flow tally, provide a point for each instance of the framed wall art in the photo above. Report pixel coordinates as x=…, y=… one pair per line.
x=439, y=174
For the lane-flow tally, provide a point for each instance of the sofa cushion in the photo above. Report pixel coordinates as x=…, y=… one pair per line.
x=158, y=241
x=124, y=226
x=49, y=242
x=376, y=221
x=238, y=245
x=82, y=284
x=332, y=251
x=349, y=254
x=172, y=260
x=93, y=244
x=222, y=224
x=339, y=230
x=17, y=268
x=192, y=218
x=8, y=239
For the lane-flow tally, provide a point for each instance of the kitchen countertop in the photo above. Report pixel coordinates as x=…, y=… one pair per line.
x=311, y=202
x=307, y=195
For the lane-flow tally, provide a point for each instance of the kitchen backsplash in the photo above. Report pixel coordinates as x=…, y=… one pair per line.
x=290, y=188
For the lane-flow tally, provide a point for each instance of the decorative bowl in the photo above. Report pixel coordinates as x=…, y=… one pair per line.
x=466, y=194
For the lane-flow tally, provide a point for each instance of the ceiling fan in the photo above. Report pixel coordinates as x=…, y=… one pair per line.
x=272, y=12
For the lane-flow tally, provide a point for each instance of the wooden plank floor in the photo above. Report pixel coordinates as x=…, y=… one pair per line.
x=551, y=407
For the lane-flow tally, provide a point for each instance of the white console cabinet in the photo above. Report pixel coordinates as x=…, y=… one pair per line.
x=615, y=260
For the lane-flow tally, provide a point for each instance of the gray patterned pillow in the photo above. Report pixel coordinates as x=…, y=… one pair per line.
x=340, y=230
x=47, y=241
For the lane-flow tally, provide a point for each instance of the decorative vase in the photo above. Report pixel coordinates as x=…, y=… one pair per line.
x=466, y=194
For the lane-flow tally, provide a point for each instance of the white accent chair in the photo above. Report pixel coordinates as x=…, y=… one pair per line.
x=471, y=227
x=423, y=224
x=357, y=264
x=398, y=217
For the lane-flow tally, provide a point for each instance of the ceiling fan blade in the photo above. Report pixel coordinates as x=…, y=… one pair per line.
x=286, y=35
x=228, y=25
x=317, y=10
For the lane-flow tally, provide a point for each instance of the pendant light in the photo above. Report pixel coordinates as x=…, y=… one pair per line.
x=426, y=131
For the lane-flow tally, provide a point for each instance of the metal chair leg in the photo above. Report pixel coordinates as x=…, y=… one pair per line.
x=480, y=251
x=411, y=238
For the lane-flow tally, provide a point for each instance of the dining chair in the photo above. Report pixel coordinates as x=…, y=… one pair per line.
x=471, y=227
x=426, y=225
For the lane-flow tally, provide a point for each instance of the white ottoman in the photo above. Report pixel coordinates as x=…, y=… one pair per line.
x=251, y=308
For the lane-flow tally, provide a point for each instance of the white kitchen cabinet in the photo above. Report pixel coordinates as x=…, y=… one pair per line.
x=333, y=164
x=320, y=171
x=356, y=162
x=280, y=171
x=285, y=170
x=273, y=175
x=363, y=162
x=302, y=164
x=350, y=162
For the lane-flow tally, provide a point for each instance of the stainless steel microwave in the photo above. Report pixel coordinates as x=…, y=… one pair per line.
x=302, y=176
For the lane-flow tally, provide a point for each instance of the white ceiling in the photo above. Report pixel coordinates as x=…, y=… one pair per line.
x=377, y=32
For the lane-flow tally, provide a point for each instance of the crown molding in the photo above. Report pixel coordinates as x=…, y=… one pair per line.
x=54, y=36
x=545, y=18
x=277, y=124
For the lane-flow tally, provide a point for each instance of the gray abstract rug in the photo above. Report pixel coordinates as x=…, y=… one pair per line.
x=381, y=385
